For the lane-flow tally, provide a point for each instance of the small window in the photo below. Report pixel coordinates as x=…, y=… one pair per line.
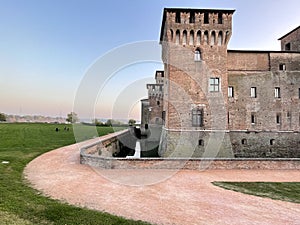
x=299, y=93
x=282, y=67
x=253, y=92
x=197, y=117
x=197, y=56
x=277, y=92
x=214, y=84
x=288, y=115
x=201, y=142
x=220, y=18
x=184, y=38
x=287, y=47
x=272, y=141
x=278, y=118
x=192, y=17
x=230, y=92
x=177, y=19
x=253, y=118
x=158, y=102
x=206, y=18
x=244, y=141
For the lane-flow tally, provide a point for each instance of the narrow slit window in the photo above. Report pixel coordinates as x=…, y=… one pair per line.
x=253, y=118
x=230, y=92
x=278, y=118
x=253, y=93
x=277, y=92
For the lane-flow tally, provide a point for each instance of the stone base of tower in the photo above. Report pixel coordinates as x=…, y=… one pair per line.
x=229, y=144
x=195, y=144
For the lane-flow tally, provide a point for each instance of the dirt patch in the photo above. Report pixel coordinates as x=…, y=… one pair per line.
x=174, y=197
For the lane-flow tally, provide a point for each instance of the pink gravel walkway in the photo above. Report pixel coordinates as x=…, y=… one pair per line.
x=183, y=197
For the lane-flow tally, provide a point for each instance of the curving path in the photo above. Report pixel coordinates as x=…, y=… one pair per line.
x=185, y=197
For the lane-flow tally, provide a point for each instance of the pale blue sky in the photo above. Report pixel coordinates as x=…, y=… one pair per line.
x=47, y=46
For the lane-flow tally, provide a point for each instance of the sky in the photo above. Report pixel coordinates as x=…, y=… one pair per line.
x=48, y=47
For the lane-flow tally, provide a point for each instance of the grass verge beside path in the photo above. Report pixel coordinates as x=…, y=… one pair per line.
x=287, y=191
x=20, y=204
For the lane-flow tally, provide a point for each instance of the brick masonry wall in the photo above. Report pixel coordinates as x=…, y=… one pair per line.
x=294, y=39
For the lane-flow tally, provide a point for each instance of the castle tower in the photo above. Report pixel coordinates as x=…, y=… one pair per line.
x=194, y=52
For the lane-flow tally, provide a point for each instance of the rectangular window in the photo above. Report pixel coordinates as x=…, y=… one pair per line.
x=278, y=118
x=287, y=46
x=277, y=92
x=282, y=67
x=230, y=92
x=253, y=92
x=214, y=84
x=299, y=93
x=197, y=117
x=252, y=118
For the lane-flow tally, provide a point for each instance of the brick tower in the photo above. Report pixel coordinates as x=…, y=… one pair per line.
x=194, y=52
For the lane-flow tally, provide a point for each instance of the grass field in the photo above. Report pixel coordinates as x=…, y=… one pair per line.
x=289, y=191
x=20, y=204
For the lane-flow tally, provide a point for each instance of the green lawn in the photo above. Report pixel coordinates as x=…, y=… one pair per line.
x=289, y=191
x=20, y=204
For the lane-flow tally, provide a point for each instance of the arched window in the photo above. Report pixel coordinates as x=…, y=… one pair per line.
x=213, y=38
x=227, y=37
x=198, y=41
x=197, y=55
x=171, y=35
x=192, y=37
x=206, y=37
x=177, y=37
x=184, y=37
x=197, y=117
x=201, y=142
x=220, y=38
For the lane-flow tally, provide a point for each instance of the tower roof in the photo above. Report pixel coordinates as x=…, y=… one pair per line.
x=289, y=33
x=188, y=10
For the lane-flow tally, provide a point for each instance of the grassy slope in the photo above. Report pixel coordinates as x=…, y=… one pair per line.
x=289, y=191
x=20, y=204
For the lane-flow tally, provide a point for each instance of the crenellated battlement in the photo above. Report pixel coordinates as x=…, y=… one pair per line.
x=196, y=27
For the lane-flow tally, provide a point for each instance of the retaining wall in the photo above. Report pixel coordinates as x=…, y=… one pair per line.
x=88, y=156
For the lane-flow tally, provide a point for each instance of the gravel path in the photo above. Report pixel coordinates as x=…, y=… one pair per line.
x=175, y=197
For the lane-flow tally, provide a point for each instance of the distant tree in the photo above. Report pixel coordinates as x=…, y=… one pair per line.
x=109, y=122
x=131, y=122
x=2, y=117
x=97, y=122
x=72, y=117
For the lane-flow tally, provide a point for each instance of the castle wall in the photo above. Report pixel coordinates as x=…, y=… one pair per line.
x=230, y=144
